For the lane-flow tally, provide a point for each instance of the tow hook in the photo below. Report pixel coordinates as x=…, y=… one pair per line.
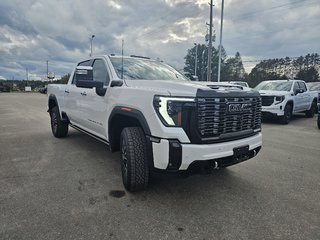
x=216, y=165
x=254, y=153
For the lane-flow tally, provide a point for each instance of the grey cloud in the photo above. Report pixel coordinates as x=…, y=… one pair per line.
x=59, y=31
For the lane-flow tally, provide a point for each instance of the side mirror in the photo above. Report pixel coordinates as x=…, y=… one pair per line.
x=116, y=83
x=84, y=79
x=194, y=78
x=84, y=73
x=298, y=91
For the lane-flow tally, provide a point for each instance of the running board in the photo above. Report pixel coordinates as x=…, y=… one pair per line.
x=90, y=134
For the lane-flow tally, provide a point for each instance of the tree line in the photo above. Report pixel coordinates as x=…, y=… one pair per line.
x=304, y=67
x=19, y=85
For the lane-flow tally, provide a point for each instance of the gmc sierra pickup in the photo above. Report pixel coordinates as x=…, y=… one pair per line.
x=282, y=98
x=156, y=117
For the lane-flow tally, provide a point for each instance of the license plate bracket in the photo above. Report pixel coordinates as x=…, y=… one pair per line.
x=241, y=153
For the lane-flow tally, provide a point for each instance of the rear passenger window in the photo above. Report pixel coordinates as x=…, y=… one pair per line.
x=100, y=72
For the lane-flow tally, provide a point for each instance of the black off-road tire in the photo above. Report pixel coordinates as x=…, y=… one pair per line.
x=59, y=128
x=318, y=123
x=285, y=119
x=134, y=160
x=310, y=113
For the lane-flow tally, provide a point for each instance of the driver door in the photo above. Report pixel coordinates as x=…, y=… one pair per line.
x=94, y=107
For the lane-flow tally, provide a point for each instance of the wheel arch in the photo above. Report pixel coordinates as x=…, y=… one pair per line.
x=122, y=117
x=290, y=102
x=52, y=102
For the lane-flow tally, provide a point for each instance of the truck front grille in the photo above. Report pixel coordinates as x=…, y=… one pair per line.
x=267, y=100
x=225, y=118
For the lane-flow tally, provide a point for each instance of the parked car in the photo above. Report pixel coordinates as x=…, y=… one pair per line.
x=43, y=90
x=156, y=117
x=282, y=98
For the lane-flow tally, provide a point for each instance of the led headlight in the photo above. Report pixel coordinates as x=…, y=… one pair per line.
x=170, y=109
x=279, y=99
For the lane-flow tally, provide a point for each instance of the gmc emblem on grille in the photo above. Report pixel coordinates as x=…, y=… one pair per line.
x=239, y=107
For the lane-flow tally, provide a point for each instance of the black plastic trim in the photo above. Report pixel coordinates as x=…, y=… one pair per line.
x=90, y=134
x=211, y=164
x=150, y=152
x=175, y=155
x=134, y=113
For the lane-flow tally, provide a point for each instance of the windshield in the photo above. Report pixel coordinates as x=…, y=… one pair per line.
x=274, y=85
x=243, y=84
x=144, y=69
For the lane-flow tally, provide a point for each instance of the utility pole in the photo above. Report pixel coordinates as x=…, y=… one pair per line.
x=27, y=74
x=210, y=44
x=196, y=60
x=91, y=39
x=47, y=69
x=220, y=45
x=202, y=69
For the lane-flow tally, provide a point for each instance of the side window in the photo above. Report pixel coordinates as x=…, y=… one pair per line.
x=303, y=86
x=100, y=72
x=85, y=63
x=295, y=87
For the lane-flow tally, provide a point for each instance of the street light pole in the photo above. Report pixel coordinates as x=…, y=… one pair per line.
x=196, y=60
x=220, y=45
x=91, y=39
x=210, y=44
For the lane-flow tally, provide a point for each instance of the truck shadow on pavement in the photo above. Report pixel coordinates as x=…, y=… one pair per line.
x=275, y=120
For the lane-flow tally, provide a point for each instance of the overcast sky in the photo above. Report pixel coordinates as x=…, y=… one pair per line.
x=33, y=31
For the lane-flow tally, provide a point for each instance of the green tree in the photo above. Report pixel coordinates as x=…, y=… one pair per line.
x=202, y=62
x=65, y=79
x=308, y=75
x=233, y=69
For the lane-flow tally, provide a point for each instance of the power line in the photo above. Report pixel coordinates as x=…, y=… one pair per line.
x=289, y=5
x=159, y=28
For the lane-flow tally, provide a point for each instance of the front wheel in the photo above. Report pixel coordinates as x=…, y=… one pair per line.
x=318, y=122
x=134, y=160
x=285, y=119
x=58, y=127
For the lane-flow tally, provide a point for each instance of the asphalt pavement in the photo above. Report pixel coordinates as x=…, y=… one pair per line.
x=71, y=188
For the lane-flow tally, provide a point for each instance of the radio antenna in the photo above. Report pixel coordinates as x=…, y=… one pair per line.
x=122, y=59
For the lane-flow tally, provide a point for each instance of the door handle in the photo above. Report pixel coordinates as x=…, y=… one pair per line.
x=66, y=91
x=84, y=94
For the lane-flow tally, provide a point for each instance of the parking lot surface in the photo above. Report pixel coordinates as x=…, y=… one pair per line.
x=71, y=188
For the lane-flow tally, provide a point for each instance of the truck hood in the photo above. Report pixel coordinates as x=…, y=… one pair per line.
x=273, y=93
x=178, y=88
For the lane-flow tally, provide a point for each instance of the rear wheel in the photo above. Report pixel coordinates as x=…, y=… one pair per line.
x=285, y=119
x=134, y=161
x=310, y=113
x=318, y=122
x=58, y=127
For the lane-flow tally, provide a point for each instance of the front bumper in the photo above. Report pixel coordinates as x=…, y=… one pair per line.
x=172, y=155
x=276, y=110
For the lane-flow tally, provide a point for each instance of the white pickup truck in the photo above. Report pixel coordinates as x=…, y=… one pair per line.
x=282, y=98
x=156, y=117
